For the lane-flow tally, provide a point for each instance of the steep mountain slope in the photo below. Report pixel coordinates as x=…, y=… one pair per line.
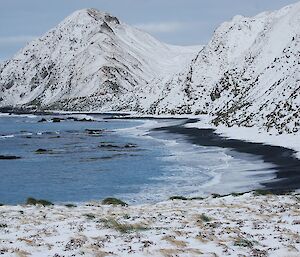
x=90, y=61
x=248, y=74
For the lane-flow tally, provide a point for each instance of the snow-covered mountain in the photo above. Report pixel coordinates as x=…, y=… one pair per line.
x=248, y=74
x=90, y=61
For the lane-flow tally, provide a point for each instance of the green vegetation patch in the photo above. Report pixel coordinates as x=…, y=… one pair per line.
x=262, y=192
x=89, y=216
x=238, y=194
x=241, y=242
x=70, y=205
x=204, y=218
x=113, y=201
x=178, y=197
x=33, y=201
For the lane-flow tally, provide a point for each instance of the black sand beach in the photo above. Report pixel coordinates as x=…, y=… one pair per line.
x=287, y=166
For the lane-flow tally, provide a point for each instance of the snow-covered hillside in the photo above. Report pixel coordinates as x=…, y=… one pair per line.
x=247, y=75
x=90, y=61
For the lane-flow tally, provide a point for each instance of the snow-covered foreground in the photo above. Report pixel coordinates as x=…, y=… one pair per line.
x=264, y=225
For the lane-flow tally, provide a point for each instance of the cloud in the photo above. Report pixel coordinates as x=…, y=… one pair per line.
x=170, y=27
x=162, y=27
x=16, y=39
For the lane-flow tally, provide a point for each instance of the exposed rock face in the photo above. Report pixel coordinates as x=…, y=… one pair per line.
x=247, y=75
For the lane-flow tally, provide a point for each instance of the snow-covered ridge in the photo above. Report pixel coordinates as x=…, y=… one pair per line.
x=248, y=74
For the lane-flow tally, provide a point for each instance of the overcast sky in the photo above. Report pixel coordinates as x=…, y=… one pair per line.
x=182, y=22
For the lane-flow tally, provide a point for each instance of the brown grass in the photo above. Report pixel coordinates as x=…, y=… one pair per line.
x=173, y=241
x=123, y=227
x=169, y=252
x=27, y=241
x=202, y=239
x=101, y=254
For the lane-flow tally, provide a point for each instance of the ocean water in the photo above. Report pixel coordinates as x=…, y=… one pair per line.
x=114, y=158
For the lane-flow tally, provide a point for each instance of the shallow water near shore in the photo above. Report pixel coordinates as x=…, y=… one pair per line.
x=76, y=160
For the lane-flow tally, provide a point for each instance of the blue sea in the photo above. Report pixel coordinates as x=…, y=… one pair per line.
x=75, y=161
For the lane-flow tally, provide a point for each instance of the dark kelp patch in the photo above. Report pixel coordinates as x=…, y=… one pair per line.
x=42, y=151
x=9, y=157
x=94, y=132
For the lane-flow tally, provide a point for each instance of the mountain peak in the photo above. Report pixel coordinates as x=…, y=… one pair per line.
x=95, y=14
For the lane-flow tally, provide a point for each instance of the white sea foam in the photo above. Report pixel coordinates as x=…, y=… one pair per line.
x=4, y=114
x=7, y=136
x=194, y=170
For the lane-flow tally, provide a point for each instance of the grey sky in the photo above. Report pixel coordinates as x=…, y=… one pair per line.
x=183, y=22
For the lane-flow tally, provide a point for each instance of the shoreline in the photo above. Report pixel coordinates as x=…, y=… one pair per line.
x=287, y=166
